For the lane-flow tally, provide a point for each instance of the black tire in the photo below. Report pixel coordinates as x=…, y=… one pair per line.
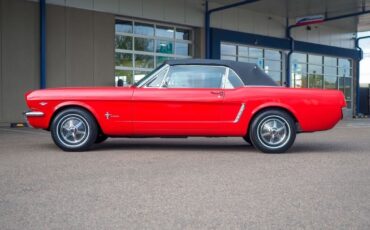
x=100, y=138
x=248, y=139
x=273, y=131
x=74, y=129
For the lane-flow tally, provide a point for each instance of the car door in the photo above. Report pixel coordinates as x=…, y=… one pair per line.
x=187, y=101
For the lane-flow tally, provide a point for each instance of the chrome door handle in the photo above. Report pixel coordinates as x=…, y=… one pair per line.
x=220, y=93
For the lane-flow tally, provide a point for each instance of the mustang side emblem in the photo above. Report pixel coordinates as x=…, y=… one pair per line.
x=108, y=115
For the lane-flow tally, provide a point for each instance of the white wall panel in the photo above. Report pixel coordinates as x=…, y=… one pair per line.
x=194, y=13
x=131, y=8
x=325, y=36
x=153, y=9
x=261, y=24
x=276, y=26
x=174, y=11
x=81, y=4
x=245, y=24
x=56, y=2
x=229, y=19
x=111, y=6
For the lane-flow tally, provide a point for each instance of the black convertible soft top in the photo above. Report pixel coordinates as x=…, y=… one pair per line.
x=249, y=73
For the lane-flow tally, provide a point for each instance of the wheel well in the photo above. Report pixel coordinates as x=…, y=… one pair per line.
x=274, y=108
x=70, y=107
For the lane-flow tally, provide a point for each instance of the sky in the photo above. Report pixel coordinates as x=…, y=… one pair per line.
x=365, y=63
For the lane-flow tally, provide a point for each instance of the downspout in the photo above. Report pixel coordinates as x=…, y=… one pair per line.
x=42, y=5
x=357, y=44
x=291, y=39
x=208, y=20
x=292, y=48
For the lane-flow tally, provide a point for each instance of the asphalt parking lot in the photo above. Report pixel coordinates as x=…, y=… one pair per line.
x=323, y=182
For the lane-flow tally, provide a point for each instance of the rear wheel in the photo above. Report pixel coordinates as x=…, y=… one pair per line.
x=74, y=129
x=273, y=131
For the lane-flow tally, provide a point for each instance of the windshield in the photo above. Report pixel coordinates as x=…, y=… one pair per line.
x=148, y=75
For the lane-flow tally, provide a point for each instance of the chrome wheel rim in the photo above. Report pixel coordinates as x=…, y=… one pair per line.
x=274, y=132
x=73, y=130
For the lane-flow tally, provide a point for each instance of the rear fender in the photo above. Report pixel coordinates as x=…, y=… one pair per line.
x=276, y=105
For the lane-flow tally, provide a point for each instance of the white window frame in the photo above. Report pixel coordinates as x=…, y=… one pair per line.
x=153, y=54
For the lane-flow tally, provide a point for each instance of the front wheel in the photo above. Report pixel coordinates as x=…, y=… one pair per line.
x=100, y=138
x=74, y=129
x=248, y=140
x=273, y=131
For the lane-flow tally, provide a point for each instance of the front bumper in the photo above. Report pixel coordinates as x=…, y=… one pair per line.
x=33, y=114
x=29, y=115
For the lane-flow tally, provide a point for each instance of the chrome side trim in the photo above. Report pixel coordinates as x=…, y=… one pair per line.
x=33, y=114
x=240, y=113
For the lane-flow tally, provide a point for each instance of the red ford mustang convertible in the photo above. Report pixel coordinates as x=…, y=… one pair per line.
x=182, y=98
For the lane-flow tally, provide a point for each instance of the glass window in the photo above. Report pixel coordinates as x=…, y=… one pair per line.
x=229, y=58
x=144, y=44
x=144, y=29
x=227, y=49
x=141, y=46
x=245, y=59
x=165, y=47
x=315, y=59
x=233, y=80
x=183, y=48
x=344, y=63
x=276, y=76
x=273, y=55
x=300, y=80
x=315, y=81
x=195, y=77
x=348, y=88
x=255, y=52
x=330, y=70
x=331, y=82
x=243, y=51
x=299, y=57
x=123, y=77
x=164, y=31
x=272, y=66
x=123, y=42
x=123, y=59
x=183, y=34
x=144, y=61
x=344, y=72
x=330, y=61
x=315, y=69
x=124, y=26
x=299, y=68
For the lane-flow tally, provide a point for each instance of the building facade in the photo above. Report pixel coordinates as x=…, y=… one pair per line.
x=117, y=42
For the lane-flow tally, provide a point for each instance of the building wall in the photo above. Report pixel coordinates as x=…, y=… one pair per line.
x=80, y=48
x=243, y=20
x=187, y=12
x=19, y=56
x=191, y=13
